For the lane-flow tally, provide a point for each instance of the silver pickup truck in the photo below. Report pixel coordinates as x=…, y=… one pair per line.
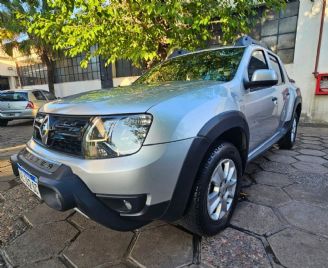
x=172, y=146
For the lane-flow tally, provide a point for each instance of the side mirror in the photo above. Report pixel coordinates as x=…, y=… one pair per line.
x=263, y=78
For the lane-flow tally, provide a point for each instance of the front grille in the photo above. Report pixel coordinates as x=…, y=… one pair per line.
x=60, y=133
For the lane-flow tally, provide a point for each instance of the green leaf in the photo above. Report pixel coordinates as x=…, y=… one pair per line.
x=138, y=30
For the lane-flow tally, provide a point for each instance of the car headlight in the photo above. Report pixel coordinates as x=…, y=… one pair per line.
x=113, y=136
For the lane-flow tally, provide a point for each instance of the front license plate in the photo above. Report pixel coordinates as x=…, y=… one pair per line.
x=29, y=180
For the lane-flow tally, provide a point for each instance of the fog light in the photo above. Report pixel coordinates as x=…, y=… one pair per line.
x=124, y=204
x=127, y=204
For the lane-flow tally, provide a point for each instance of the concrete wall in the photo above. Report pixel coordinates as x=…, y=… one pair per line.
x=124, y=81
x=12, y=82
x=315, y=108
x=7, y=67
x=71, y=88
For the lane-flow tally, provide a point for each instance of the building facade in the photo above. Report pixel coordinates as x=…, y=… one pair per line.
x=299, y=35
x=8, y=72
x=315, y=107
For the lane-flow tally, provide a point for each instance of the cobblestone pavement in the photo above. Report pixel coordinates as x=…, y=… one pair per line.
x=280, y=221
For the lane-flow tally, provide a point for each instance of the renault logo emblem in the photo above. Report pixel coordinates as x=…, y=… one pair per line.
x=44, y=130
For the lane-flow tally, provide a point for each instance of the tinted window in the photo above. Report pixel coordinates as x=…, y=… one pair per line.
x=215, y=65
x=49, y=95
x=13, y=96
x=276, y=66
x=38, y=95
x=257, y=62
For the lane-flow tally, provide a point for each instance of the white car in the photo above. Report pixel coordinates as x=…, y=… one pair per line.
x=21, y=104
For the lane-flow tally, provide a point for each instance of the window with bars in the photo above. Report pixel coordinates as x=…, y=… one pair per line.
x=69, y=70
x=65, y=70
x=126, y=68
x=278, y=31
x=34, y=74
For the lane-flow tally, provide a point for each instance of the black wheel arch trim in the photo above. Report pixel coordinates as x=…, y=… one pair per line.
x=298, y=101
x=207, y=136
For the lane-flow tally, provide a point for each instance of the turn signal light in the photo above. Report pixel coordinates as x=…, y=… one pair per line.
x=30, y=105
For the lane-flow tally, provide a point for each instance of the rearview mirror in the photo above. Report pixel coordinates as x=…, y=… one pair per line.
x=263, y=78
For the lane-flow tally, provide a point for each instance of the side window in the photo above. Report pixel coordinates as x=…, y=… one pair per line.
x=49, y=95
x=276, y=66
x=38, y=95
x=257, y=62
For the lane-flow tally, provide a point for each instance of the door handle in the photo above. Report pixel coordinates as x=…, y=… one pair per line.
x=275, y=100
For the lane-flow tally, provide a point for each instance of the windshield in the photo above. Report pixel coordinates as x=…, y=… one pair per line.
x=13, y=96
x=215, y=65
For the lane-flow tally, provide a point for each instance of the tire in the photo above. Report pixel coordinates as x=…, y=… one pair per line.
x=3, y=123
x=288, y=141
x=199, y=218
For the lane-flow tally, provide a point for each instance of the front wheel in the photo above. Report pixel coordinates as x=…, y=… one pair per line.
x=215, y=192
x=288, y=141
x=3, y=123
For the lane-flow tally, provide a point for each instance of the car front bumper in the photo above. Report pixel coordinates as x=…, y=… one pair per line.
x=121, y=193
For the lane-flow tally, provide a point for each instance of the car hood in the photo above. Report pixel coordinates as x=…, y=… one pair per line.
x=121, y=100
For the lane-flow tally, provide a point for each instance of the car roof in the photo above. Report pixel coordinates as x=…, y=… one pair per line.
x=215, y=48
x=205, y=50
x=20, y=90
x=12, y=91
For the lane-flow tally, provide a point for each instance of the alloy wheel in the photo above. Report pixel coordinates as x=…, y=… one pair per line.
x=294, y=130
x=222, y=189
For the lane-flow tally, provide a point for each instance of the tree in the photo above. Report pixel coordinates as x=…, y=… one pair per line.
x=142, y=30
x=15, y=19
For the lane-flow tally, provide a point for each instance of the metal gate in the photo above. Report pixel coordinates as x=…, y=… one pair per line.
x=106, y=74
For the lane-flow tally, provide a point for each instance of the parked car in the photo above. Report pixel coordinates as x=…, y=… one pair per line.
x=21, y=104
x=172, y=146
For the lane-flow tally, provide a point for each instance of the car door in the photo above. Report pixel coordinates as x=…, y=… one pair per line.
x=282, y=91
x=39, y=98
x=259, y=104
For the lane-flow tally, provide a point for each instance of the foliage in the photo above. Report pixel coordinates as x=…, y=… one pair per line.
x=14, y=28
x=16, y=16
x=142, y=30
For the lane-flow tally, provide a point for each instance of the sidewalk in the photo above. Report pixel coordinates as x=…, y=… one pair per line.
x=281, y=220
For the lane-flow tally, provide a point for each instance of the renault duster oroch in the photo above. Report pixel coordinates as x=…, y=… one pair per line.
x=172, y=146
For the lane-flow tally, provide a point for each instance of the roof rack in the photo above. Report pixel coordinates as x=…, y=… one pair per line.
x=177, y=52
x=243, y=41
x=247, y=41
